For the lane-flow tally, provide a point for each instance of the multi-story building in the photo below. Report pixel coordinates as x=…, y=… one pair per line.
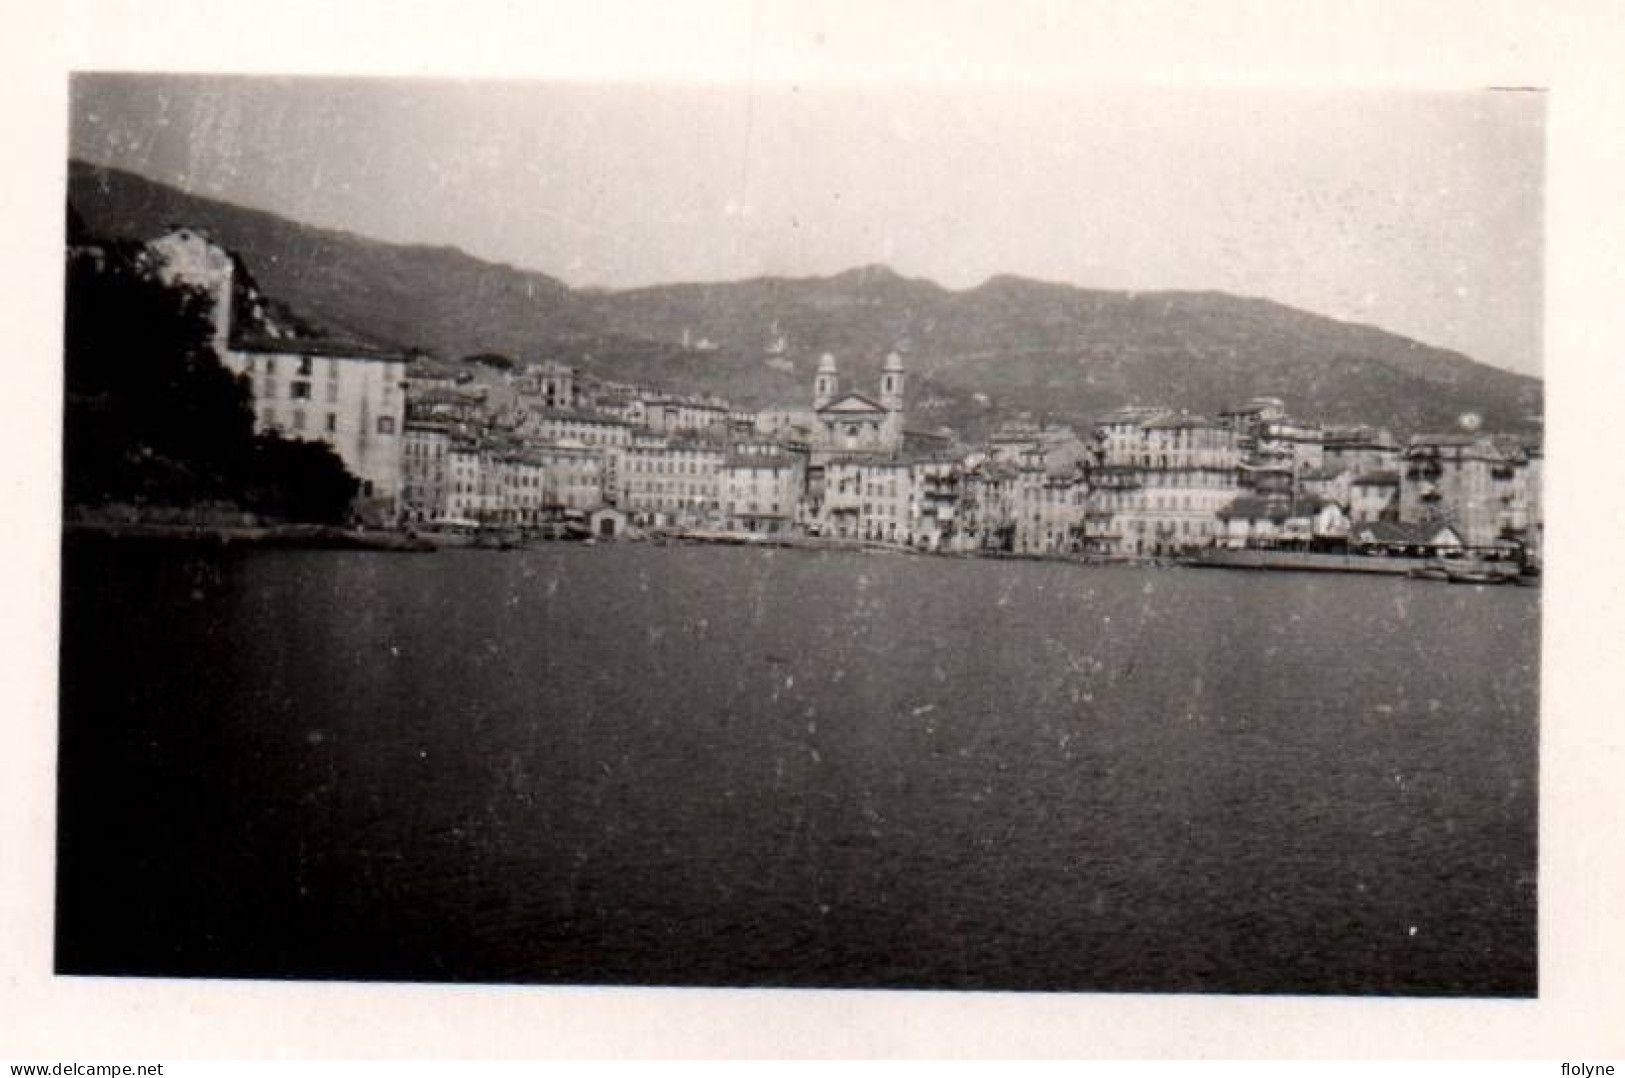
x=521, y=483
x=889, y=505
x=605, y=436
x=1298, y=441
x=349, y=396
x=454, y=404
x=987, y=506
x=840, y=507
x=1521, y=519
x=473, y=487
x=352, y=398
x=1247, y=418
x=870, y=499
x=1031, y=481
x=1329, y=482
x=1276, y=449
x=670, y=482
x=505, y=482
x=424, y=475
x=938, y=484
x=425, y=373
x=1119, y=435
x=1013, y=438
x=786, y=422
x=1050, y=512
x=669, y=413
x=547, y=385
x=1360, y=450
x=1373, y=497
x=574, y=478
x=580, y=427
x=1460, y=479
x=1158, y=482
x=761, y=491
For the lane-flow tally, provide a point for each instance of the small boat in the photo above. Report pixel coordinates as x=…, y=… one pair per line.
x=1479, y=572
x=1475, y=576
x=1459, y=571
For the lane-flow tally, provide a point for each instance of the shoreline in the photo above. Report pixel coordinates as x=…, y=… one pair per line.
x=305, y=536
x=388, y=541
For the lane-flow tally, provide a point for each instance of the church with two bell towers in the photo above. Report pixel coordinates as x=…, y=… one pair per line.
x=852, y=423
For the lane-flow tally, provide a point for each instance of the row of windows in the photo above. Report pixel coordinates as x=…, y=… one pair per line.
x=1185, y=503
x=590, y=433
x=461, y=497
x=299, y=391
x=1214, y=460
x=1204, y=478
x=304, y=366
x=1055, y=495
x=1141, y=524
x=330, y=421
x=882, y=509
x=1189, y=439
x=658, y=487
x=462, y=461
x=671, y=467
x=695, y=502
x=586, y=469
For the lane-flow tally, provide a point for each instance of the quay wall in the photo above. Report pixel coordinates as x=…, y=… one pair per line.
x=1325, y=563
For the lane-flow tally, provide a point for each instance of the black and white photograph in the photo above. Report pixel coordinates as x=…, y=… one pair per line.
x=624, y=534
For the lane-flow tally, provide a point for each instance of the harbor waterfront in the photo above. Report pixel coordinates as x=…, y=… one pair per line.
x=685, y=765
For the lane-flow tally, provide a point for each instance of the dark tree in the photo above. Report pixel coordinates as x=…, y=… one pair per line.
x=298, y=480
x=153, y=418
x=494, y=360
x=151, y=414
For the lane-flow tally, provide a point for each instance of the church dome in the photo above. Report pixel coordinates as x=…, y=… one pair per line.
x=894, y=362
x=826, y=364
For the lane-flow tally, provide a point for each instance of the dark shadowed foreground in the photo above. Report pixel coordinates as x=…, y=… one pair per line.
x=633, y=765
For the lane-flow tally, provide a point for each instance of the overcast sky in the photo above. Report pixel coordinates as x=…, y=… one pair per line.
x=1420, y=213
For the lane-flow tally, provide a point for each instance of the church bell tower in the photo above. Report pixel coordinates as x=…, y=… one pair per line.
x=824, y=385
x=892, y=380
x=891, y=383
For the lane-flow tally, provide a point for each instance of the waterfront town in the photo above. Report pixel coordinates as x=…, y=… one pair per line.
x=543, y=448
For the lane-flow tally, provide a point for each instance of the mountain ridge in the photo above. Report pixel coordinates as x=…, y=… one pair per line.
x=1010, y=345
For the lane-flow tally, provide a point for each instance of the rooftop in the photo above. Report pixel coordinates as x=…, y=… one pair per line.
x=446, y=395
x=1386, y=531
x=1462, y=446
x=1360, y=436
x=1274, y=508
x=283, y=346
x=851, y=404
x=745, y=461
x=1130, y=414
x=1182, y=422
x=576, y=415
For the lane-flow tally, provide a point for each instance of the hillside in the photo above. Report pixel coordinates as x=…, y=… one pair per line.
x=404, y=296
x=1006, y=346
